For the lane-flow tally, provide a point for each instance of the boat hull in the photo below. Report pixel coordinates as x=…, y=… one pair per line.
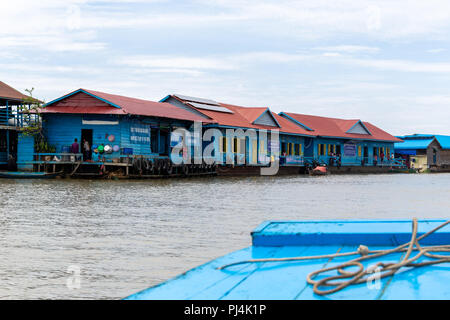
x=28, y=175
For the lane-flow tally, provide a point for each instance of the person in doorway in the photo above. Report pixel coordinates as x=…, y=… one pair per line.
x=86, y=150
x=375, y=159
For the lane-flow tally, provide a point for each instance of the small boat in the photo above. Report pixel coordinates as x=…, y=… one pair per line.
x=28, y=175
x=305, y=260
x=319, y=171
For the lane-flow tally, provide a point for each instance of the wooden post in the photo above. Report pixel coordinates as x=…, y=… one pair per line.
x=7, y=131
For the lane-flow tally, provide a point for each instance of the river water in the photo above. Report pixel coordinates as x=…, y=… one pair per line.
x=92, y=239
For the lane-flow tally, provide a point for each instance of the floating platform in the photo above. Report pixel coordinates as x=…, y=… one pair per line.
x=286, y=280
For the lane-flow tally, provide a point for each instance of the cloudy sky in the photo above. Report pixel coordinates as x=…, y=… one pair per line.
x=387, y=62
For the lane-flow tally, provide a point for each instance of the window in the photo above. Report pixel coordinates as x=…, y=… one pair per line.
x=283, y=148
x=262, y=147
x=297, y=149
x=224, y=144
x=235, y=145
x=322, y=149
x=242, y=145
x=359, y=151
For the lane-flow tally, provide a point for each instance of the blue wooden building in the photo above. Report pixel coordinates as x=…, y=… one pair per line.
x=126, y=136
x=134, y=137
x=346, y=143
x=242, y=150
x=303, y=139
x=425, y=152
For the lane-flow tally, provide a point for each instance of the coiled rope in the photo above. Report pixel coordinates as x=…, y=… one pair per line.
x=363, y=274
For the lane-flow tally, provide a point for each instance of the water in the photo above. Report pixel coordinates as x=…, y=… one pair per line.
x=125, y=236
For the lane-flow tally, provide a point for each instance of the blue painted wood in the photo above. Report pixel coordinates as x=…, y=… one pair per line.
x=62, y=129
x=295, y=233
x=287, y=280
x=25, y=152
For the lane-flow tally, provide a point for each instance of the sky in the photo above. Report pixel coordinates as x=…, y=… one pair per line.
x=386, y=62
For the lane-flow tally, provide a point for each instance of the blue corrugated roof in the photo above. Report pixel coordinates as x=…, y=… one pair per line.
x=417, y=135
x=421, y=141
x=413, y=144
x=287, y=280
x=444, y=141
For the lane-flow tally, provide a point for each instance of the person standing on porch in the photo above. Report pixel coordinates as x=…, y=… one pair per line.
x=86, y=150
x=75, y=147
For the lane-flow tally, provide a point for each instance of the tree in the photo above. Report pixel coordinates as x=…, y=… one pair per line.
x=30, y=113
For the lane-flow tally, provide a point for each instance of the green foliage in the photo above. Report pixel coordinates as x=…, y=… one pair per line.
x=42, y=146
x=32, y=106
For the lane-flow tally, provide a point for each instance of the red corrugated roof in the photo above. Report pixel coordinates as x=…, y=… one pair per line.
x=332, y=127
x=244, y=117
x=114, y=104
x=10, y=93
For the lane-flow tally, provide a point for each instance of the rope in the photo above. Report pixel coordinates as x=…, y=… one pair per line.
x=362, y=275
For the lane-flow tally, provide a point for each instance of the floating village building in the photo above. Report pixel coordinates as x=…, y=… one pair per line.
x=14, y=117
x=425, y=151
x=132, y=137
x=344, y=145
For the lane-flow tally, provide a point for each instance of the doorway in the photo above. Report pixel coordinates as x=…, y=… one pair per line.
x=366, y=154
x=86, y=134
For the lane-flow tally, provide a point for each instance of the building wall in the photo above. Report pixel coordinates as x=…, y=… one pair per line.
x=62, y=129
x=25, y=152
x=418, y=162
x=266, y=119
x=256, y=150
x=292, y=149
x=437, y=156
x=352, y=153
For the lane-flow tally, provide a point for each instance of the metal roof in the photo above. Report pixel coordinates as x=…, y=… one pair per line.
x=413, y=144
x=120, y=105
x=422, y=141
x=9, y=93
x=444, y=141
x=244, y=117
x=338, y=128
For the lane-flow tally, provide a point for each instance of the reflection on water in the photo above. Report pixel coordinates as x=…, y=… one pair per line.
x=128, y=235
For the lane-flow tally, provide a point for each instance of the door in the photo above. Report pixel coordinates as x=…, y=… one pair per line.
x=164, y=142
x=86, y=135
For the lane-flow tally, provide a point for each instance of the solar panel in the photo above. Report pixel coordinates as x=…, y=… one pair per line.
x=198, y=100
x=211, y=108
